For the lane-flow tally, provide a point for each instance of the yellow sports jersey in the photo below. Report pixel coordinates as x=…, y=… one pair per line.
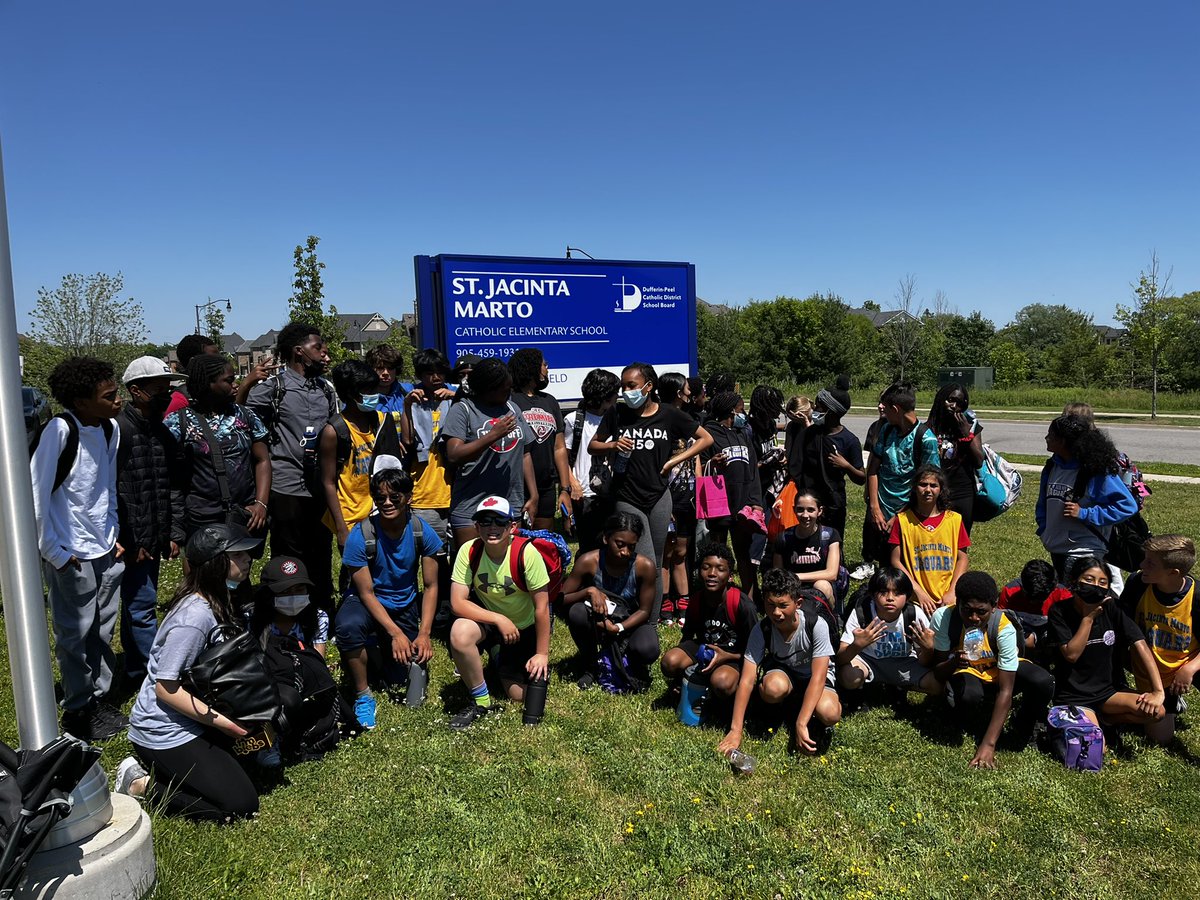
x=354, y=480
x=1168, y=631
x=431, y=487
x=930, y=554
x=991, y=660
x=493, y=582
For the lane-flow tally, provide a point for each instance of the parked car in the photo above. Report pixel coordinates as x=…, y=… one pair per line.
x=37, y=411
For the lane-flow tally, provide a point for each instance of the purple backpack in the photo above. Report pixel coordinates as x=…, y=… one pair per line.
x=1077, y=742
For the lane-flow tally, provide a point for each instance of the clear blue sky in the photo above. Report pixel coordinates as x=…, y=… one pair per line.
x=1003, y=153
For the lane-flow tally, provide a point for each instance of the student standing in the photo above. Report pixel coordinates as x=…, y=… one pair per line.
x=960, y=447
x=828, y=454
x=74, y=473
x=674, y=390
x=600, y=388
x=640, y=435
x=146, y=462
x=929, y=541
x=544, y=418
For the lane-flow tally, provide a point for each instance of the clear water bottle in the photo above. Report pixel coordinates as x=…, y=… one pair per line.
x=418, y=680
x=743, y=763
x=973, y=644
x=621, y=461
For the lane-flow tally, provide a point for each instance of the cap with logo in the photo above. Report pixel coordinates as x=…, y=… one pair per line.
x=149, y=367
x=284, y=572
x=212, y=540
x=493, y=506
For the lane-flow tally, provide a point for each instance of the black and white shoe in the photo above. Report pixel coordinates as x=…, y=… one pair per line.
x=467, y=716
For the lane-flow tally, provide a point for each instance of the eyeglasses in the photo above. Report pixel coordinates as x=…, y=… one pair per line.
x=492, y=521
x=386, y=499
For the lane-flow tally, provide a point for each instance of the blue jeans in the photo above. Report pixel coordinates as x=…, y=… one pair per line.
x=139, y=618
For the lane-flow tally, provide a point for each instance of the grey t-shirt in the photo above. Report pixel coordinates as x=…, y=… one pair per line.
x=306, y=405
x=181, y=638
x=795, y=653
x=499, y=469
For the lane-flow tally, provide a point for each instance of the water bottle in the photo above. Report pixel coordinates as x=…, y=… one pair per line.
x=535, y=701
x=743, y=763
x=621, y=461
x=973, y=644
x=691, y=697
x=703, y=657
x=418, y=680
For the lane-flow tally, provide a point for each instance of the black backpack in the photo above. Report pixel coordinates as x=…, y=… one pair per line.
x=70, y=450
x=315, y=716
x=1125, y=546
x=863, y=607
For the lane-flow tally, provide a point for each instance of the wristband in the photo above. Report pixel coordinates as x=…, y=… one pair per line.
x=620, y=628
x=967, y=439
x=260, y=503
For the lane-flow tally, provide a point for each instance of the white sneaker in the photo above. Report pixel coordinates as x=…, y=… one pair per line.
x=129, y=771
x=863, y=572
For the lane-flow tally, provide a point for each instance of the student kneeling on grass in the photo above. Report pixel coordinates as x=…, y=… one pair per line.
x=977, y=656
x=720, y=617
x=887, y=640
x=789, y=655
x=381, y=606
x=513, y=610
x=1090, y=635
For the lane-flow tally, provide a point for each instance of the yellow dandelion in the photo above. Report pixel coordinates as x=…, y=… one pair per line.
x=966, y=878
x=640, y=813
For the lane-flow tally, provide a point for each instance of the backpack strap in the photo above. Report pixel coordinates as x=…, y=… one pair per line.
x=733, y=599
x=70, y=451
x=215, y=454
x=474, y=555
x=417, y=526
x=370, y=541
x=516, y=562
x=918, y=450
x=576, y=434
x=993, y=631
x=277, y=392
x=344, y=445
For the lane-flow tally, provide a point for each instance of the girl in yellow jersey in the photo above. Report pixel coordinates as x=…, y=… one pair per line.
x=929, y=541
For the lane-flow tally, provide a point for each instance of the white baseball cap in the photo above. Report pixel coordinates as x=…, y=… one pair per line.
x=496, y=506
x=149, y=367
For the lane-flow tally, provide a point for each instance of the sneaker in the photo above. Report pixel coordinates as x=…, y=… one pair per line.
x=466, y=716
x=78, y=723
x=863, y=572
x=681, y=608
x=107, y=721
x=364, y=711
x=586, y=681
x=129, y=771
x=667, y=614
x=1181, y=707
x=270, y=758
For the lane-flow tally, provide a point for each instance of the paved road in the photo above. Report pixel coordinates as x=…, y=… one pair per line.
x=1143, y=443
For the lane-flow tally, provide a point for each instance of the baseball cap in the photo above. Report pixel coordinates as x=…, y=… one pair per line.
x=149, y=367
x=465, y=362
x=284, y=572
x=210, y=540
x=493, y=506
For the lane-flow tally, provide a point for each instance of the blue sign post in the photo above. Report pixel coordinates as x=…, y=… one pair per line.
x=582, y=314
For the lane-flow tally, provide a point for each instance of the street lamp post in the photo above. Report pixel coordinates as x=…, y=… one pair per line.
x=209, y=304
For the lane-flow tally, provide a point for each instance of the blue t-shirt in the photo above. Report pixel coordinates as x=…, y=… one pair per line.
x=394, y=569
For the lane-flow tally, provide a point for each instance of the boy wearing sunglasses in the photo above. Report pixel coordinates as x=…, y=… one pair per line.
x=512, y=610
x=381, y=608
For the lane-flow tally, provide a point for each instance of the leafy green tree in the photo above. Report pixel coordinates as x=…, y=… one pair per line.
x=967, y=339
x=1039, y=327
x=214, y=324
x=1148, y=320
x=84, y=316
x=1010, y=362
x=307, y=303
x=718, y=339
x=1181, y=349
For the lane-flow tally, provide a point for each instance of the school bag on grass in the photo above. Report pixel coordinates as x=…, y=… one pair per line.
x=1075, y=741
x=998, y=486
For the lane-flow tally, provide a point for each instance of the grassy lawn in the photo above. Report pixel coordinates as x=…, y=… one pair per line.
x=612, y=797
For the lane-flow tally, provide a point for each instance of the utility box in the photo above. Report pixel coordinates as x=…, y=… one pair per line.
x=979, y=378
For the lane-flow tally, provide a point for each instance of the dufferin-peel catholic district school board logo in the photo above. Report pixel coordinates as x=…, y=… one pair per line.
x=631, y=296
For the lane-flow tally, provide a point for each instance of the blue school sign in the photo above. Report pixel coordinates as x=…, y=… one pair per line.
x=582, y=314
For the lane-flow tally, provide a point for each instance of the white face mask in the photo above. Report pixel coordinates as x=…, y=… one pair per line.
x=291, y=604
x=634, y=399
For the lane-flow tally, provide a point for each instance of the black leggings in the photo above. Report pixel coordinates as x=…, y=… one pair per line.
x=199, y=780
x=643, y=640
x=970, y=696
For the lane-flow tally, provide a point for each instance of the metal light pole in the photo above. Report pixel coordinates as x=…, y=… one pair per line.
x=210, y=303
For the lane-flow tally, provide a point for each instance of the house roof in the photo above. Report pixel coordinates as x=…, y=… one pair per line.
x=357, y=327
x=881, y=317
x=264, y=341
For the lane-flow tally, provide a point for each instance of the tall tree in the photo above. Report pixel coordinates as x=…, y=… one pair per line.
x=1147, y=321
x=307, y=303
x=84, y=316
x=904, y=332
x=967, y=339
x=214, y=324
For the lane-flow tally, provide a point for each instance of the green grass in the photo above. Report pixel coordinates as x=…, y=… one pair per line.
x=611, y=797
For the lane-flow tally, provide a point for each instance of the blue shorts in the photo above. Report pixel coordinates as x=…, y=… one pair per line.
x=355, y=627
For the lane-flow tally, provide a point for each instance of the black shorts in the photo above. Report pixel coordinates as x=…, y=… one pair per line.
x=547, y=506
x=799, y=680
x=510, y=659
x=896, y=671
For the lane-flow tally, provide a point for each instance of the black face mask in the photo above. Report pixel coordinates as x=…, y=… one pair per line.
x=543, y=383
x=157, y=405
x=1091, y=593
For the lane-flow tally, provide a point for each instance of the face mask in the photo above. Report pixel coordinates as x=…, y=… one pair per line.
x=232, y=584
x=369, y=403
x=634, y=399
x=291, y=604
x=1091, y=593
x=739, y=420
x=543, y=383
x=157, y=404
x=818, y=418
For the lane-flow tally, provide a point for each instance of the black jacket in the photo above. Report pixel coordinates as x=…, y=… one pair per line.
x=146, y=462
x=741, y=473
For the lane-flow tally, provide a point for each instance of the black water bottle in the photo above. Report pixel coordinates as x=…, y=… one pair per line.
x=535, y=701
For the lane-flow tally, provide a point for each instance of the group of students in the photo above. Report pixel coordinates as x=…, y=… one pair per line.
x=441, y=495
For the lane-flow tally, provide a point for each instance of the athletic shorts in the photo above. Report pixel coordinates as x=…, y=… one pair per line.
x=896, y=671
x=510, y=659
x=799, y=680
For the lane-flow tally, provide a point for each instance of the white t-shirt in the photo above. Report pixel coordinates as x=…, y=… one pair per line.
x=893, y=643
x=583, y=462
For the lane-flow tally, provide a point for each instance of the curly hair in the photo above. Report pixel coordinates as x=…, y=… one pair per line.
x=766, y=403
x=1038, y=579
x=77, y=378
x=202, y=371
x=525, y=367
x=1090, y=446
x=599, y=385
x=780, y=583
x=384, y=356
x=291, y=335
x=976, y=585
x=720, y=551
x=352, y=379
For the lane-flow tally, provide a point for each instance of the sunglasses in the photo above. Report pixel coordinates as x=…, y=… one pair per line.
x=492, y=521
x=385, y=499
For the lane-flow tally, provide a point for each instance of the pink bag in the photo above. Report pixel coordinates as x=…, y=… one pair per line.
x=712, y=500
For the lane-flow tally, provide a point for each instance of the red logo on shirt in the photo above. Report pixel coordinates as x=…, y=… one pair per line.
x=506, y=443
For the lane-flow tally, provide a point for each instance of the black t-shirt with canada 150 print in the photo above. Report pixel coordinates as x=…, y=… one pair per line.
x=654, y=437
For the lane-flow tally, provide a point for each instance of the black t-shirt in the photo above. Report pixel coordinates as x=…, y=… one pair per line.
x=957, y=462
x=642, y=483
x=544, y=417
x=1095, y=675
x=708, y=622
x=806, y=554
x=819, y=475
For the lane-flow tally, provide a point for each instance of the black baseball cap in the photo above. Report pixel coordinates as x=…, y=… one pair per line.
x=211, y=540
x=284, y=572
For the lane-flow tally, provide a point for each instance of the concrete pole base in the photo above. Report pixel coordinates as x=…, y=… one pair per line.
x=117, y=861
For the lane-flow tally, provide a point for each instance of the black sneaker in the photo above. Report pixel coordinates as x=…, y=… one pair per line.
x=106, y=721
x=466, y=716
x=586, y=681
x=78, y=723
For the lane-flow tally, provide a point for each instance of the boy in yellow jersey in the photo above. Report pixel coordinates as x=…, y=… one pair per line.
x=1161, y=599
x=513, y=609
x=976, y=655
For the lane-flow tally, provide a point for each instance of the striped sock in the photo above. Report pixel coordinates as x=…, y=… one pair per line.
x=480, y=694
